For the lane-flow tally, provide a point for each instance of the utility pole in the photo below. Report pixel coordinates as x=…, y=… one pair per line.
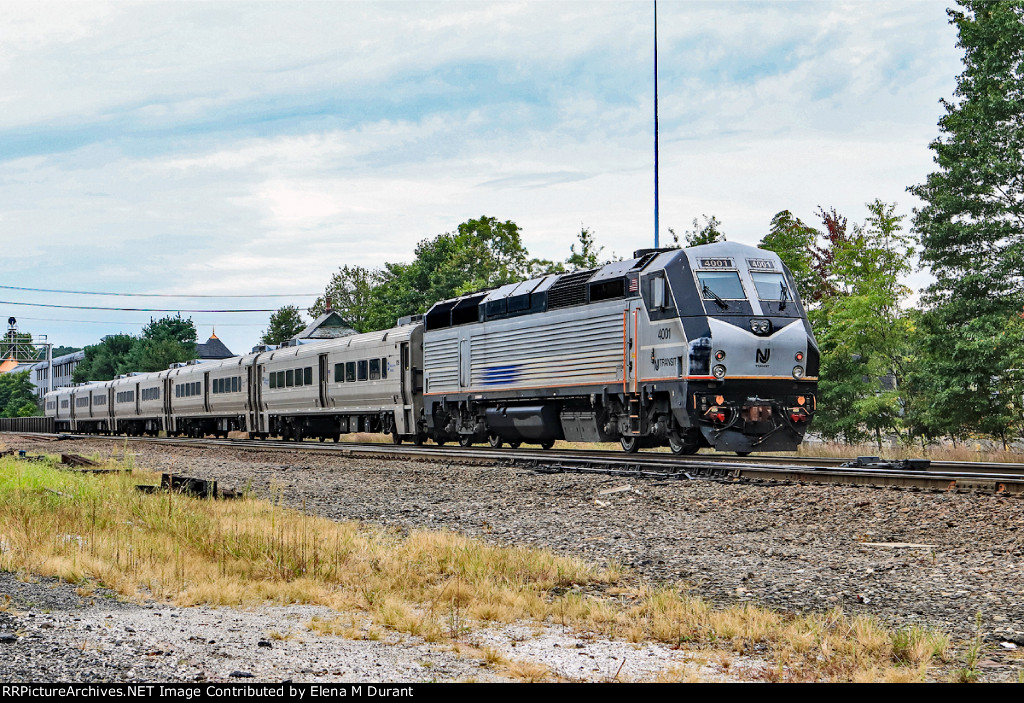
x=655, y=124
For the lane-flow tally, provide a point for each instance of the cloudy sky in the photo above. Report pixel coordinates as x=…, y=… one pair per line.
x=234, y=148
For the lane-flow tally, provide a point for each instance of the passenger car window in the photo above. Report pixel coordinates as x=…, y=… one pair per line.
x=362, y=370
x=289, y=378
x=307, y=376
x=339, y=373
x=374, y=369
x=350, y=371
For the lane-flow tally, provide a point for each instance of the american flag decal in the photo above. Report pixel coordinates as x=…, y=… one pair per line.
x=634, y=285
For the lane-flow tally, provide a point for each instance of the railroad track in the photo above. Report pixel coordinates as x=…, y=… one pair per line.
x=993, y=478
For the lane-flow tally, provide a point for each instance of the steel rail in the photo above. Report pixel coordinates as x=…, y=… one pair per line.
x=996, y=478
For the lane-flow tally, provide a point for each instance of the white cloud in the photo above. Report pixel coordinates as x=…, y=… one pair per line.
x=255, y=147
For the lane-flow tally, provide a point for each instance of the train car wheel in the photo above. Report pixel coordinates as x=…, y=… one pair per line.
x=547, y=444
x=396, y=438
x=466, y=441
x=418, y=440
x=742, y=453
x=515, y=445
x=681, y=446
x=495, y=441
x=440, y=442
x=630, y=444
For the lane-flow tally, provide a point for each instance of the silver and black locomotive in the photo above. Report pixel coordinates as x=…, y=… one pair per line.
x=707, y=346
x=701, y=347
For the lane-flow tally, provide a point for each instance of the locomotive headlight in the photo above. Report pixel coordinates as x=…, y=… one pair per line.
x=718, y=371
x=760, y=327
x=798, y=372
x=799, y=356
x=719, y=355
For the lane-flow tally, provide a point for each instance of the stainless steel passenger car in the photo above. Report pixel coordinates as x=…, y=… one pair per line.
x=359, y=383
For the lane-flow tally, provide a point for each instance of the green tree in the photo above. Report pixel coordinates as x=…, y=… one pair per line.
x=166, y=341
x=102, y=361
x=351, y=290
x=589, y=255
x=795, y=243
x=708, y=233
x=482, y=253
x=862, y=329
x=62, y=350
x=284, y=324
x=972, y=227
x=17, y=395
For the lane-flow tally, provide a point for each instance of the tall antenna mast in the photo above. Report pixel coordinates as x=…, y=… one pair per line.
x=655, y=124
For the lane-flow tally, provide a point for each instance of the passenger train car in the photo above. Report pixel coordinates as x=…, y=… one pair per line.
x=701, y=347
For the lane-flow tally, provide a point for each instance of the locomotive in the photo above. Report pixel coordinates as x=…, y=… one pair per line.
x=707, y=346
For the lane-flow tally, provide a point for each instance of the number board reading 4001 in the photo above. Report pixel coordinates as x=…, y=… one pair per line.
x=761, y=264
x=716, y=264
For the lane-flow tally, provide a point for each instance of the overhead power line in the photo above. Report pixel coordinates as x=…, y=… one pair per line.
x=93, y=307
x=163, y=295
x=139, y=324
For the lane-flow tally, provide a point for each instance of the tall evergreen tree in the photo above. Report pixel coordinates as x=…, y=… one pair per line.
x=972, y=226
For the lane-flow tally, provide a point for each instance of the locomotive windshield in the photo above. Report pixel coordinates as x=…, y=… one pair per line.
x=770, y=286
x=723, y=284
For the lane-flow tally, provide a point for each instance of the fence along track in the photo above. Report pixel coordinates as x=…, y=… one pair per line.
x=26, y=424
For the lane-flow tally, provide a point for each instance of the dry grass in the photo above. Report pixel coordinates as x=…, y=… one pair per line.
x=528, y=671
x=89, y=529
x=972, y=451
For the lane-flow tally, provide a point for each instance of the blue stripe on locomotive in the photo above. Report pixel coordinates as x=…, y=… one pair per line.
x=498, y=375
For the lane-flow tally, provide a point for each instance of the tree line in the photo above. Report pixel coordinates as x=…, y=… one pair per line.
x=163, y=342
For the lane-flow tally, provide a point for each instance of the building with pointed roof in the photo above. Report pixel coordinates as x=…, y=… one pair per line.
x=330, y=325
x=213, y=349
